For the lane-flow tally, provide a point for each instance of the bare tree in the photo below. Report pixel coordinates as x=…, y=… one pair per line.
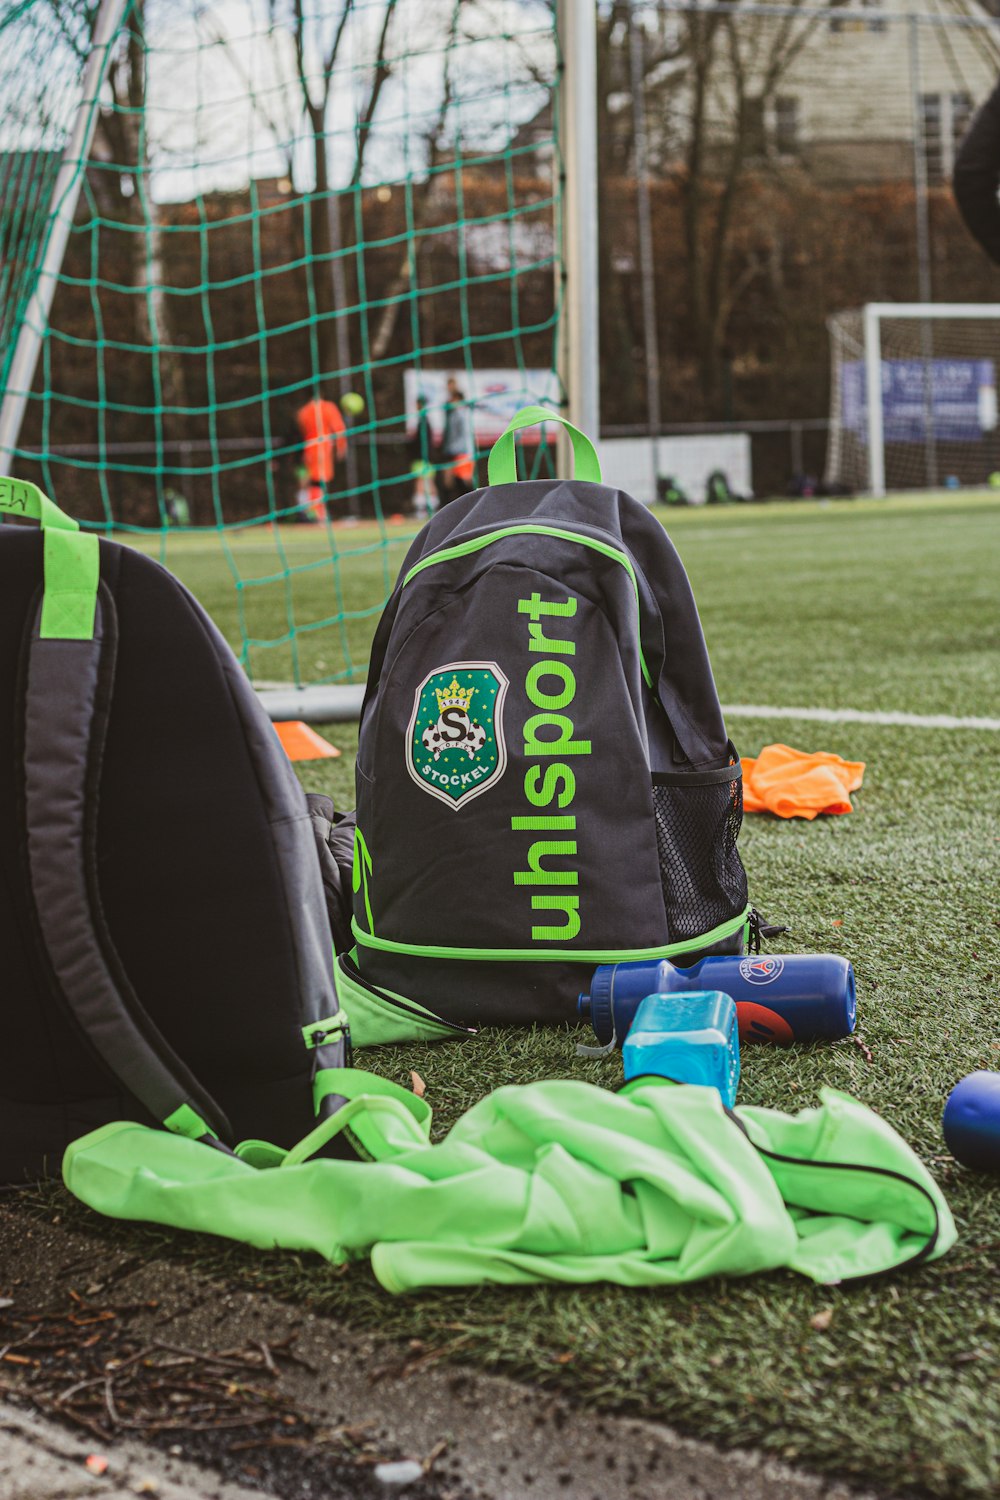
x=742, y=60
x=709, y=79
x=423, y=198
x=616, y=166
x=327, y=230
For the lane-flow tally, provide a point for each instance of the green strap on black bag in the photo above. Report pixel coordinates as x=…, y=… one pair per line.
x=157, y=961
x=72, y=562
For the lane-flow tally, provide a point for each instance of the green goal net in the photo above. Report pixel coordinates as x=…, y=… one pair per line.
x=282, y=214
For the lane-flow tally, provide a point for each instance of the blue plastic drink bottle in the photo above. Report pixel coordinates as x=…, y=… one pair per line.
x=783, y=998
x=689, y=1038
x=972, y=1121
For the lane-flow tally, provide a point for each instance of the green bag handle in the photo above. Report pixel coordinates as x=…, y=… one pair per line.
x=502, y=466
x=72, y=562
x=381, y=1119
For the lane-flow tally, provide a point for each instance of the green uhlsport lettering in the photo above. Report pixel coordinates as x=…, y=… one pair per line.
x=550, y=685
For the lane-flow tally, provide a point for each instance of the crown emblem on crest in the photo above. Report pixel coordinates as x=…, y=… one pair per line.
x=451, y=756
x=454, y=696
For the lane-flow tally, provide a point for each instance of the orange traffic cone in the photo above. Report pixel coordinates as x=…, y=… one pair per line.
x=302, y=743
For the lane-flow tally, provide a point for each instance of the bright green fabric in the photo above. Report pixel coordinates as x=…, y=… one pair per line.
x=71, y=562
x=555, y=1181
x=376, y=1021
x=19, y=497
x=532, y=528
x=551, y=955
x=502, y=465
x=186, y=1121
x=380, y=1118
x=317, y=1032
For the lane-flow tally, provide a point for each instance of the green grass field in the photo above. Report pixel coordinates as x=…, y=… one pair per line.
x=868, y=605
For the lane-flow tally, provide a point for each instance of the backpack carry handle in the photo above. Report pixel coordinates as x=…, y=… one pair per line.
x=72, y=562
x=502, y=467
x=20, y=497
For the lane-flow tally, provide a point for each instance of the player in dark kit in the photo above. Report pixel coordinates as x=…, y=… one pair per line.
x=977, y=177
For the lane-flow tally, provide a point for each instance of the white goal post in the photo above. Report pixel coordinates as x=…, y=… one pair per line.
x=935, y=366
x=65, y=194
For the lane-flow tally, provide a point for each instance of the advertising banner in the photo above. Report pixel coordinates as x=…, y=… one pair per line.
x=492, y=396
x=953, y=400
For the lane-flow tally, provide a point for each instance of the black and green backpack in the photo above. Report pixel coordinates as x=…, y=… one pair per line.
x=544, y=778
x=166, y=949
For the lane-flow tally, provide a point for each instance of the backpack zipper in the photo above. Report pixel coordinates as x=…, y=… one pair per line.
x=477, y=544
x=555, y=955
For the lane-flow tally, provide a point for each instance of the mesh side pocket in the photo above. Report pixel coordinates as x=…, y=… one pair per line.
x=698, y=819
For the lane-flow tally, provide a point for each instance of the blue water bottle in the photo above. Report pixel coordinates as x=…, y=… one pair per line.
x=782, y=997
x=689, y=1038
x=972, y=1121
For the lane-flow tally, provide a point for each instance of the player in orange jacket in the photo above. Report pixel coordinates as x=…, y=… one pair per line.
x=324, y=440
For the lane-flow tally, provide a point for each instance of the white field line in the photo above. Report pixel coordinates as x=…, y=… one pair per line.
x=730, y=710
x=856, y=716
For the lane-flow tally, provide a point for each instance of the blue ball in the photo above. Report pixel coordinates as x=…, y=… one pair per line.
x=972, y=1121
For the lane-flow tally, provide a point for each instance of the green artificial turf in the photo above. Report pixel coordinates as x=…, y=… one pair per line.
x=873, y=605
x=297, y=603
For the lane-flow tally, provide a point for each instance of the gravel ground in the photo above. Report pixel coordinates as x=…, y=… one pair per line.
x=189, y=1387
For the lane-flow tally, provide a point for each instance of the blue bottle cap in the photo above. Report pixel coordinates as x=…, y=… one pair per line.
x=597, y=1007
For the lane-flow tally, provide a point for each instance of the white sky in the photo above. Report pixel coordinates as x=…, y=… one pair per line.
x=224, y=100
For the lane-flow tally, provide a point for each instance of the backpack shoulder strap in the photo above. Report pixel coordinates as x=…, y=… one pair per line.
x=66, y=683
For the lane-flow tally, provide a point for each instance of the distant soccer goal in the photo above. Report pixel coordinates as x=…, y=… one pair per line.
x=935, y=424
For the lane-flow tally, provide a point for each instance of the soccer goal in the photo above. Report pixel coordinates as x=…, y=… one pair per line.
x=935, y=424
x=217, y=215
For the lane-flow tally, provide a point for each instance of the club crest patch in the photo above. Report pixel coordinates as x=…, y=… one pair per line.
x=455, y=747
x=761, y=970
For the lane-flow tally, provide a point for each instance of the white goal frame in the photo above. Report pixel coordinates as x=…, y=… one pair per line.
x=62, y=207
x=872, y=315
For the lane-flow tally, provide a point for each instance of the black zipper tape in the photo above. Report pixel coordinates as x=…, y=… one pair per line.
x=399, y=1004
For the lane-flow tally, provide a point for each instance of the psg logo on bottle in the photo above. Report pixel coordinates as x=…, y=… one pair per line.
x=761, y=970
